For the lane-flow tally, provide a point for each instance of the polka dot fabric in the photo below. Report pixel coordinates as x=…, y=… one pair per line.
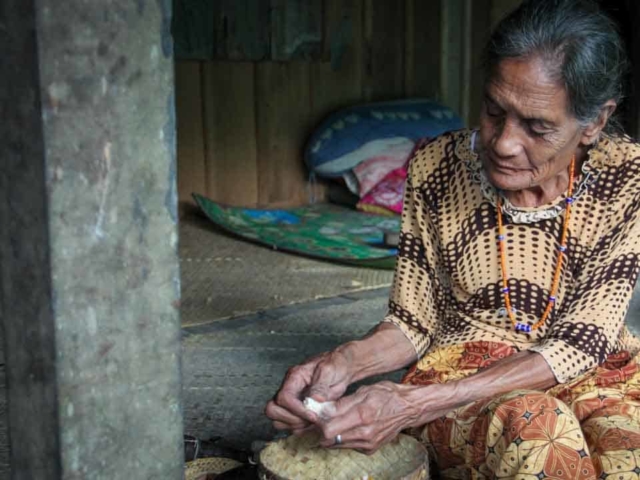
x=446, y=287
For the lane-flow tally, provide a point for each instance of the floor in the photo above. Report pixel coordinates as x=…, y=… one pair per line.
x=223, y=277
x=233, y=367
x=248, y=314
x=299, y=307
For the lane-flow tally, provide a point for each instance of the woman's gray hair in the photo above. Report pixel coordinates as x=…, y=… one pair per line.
x=578, y=40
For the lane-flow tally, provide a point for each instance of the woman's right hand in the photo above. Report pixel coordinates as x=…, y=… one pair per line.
x=324, y=378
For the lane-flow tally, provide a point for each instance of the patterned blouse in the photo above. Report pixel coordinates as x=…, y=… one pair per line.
x=447, y=284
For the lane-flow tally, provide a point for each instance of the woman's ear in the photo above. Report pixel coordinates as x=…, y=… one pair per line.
x=593, y=129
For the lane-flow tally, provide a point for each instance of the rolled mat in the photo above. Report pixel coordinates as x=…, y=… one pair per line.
x=325, y=232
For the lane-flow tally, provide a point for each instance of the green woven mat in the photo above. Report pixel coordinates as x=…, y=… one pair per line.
x=321, y=231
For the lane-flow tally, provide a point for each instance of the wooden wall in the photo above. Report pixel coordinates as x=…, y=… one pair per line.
x=242, y=126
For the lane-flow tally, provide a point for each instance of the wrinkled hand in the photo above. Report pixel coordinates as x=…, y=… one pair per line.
x=324, y=378
x=373, y=416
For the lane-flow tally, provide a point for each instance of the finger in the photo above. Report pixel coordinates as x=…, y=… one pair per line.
x=325, y=385
x=357, y=435
x=294, y=429
x=346, y=404
x=348, y=424
x=289, y=396
x=366, y=435
x=296, y=380
x=320, y=391
x=362, y=447
x=358, y=441
x=355, y=411
x=281, y=426
x=302, y=431
x=277, y=413
x=295, y=407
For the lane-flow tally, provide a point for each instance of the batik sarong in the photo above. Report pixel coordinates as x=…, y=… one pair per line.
x=587, y=428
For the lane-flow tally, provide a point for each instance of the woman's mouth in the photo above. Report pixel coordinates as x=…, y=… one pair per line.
x=503, y=166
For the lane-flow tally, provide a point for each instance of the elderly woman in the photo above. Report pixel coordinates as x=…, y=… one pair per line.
x=517, y=260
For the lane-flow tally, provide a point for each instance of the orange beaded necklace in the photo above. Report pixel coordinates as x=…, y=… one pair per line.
x=519, y=326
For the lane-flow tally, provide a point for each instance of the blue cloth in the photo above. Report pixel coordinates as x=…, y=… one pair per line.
x=348, y=130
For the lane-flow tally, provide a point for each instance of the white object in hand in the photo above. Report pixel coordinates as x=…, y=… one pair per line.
x=324, y=410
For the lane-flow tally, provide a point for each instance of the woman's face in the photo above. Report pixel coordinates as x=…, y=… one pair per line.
x=528, y=136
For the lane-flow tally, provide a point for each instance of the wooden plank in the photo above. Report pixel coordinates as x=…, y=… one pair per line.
x=465, y=70
x=500, y=8
x=191, y=156
x=337, y=82
x=230, y=132
x=283, y=113
x=633, y=116
x=296, y=29
x=384, y=50
x=451, y=56
x=480, y=32
x=409, y=50
x=423, y=49
x=626, y=12
x=192, y=28
x=241, y=29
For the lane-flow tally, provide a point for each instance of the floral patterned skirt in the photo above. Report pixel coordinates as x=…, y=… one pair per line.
x=587, y=428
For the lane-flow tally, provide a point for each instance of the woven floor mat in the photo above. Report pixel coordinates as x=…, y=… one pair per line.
x=225, y=277
x=231, y=368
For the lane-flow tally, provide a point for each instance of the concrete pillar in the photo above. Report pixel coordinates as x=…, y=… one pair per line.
x=89, y=280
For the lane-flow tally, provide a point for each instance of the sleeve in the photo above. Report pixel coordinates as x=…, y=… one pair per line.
x=416, y=299
x=591, y=318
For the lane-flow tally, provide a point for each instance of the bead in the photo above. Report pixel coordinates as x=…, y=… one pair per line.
x=521, y=327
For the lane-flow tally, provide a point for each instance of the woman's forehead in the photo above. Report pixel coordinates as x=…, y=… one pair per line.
x=524, y=85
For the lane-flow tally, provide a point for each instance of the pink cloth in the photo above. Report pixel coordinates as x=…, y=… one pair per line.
x=373, y=170
x=389, y=193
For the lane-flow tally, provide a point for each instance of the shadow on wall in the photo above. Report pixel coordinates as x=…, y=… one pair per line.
x=633, y=315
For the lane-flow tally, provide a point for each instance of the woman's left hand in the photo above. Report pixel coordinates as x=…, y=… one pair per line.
x=373, y=416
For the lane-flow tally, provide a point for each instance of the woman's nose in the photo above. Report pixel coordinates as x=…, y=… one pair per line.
x=506, y=142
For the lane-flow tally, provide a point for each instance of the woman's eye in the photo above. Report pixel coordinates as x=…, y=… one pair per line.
x=538, y=130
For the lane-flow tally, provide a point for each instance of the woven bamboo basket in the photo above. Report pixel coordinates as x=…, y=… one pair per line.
x=199, y=469
x=299, y=458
